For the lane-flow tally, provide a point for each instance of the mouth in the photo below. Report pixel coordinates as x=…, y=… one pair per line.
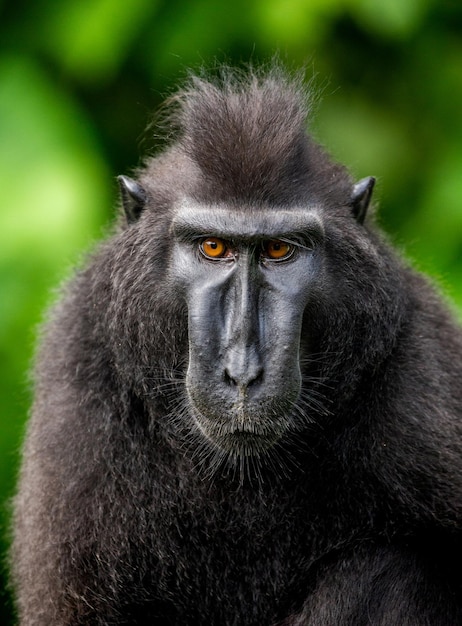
x=241, y=425
x=239, y=434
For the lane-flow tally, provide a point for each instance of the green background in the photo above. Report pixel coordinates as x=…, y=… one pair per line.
x=78, y=83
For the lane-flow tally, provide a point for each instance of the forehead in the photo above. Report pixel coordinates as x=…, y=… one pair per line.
x=191, y=219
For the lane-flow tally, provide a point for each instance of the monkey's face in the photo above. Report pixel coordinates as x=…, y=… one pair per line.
x=247, y=278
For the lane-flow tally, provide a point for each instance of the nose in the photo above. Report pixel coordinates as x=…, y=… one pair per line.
x=243, y=370
x=243, y=362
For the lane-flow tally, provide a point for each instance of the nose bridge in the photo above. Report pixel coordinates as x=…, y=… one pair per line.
x=243, y=362
x=244, y=323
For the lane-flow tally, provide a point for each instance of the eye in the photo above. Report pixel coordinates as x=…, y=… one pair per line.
x=214, y=248
x=277, y=250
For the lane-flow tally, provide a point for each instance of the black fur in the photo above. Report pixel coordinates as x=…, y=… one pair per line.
x=125, y=513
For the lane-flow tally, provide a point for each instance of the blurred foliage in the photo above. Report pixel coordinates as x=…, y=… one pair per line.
x=78, y=80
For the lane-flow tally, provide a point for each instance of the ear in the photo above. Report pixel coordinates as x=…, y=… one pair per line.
x=133, y=197
x=361, y=196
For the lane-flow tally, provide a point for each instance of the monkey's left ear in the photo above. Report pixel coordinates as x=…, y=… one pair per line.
x=133, y=197
x=361, y=197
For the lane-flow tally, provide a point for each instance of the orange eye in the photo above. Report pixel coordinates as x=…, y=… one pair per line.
x=275, y=249
x=213, y=248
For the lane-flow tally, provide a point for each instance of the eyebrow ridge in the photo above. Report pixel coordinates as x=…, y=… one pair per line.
x=191, y=222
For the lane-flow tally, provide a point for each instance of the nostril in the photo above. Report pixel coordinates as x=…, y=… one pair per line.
x=244, y=381
x=229, y=380
x=256, y=379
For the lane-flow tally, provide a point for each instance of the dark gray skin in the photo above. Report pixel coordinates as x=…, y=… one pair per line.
x=245, y=314
x=248, y=408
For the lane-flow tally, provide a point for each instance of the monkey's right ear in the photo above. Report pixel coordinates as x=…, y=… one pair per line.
x=361, y=196
x=133, y=198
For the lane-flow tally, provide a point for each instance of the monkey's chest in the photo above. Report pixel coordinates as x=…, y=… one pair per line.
x=226, y=569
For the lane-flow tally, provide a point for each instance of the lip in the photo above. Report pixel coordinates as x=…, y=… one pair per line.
x=239, y=437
